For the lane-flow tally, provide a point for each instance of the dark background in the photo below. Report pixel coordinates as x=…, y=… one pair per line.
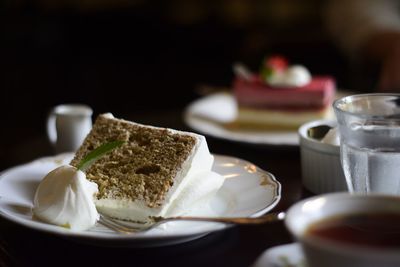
x=128, y=57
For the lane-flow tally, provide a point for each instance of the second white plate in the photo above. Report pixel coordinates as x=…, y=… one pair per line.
x=207, y=115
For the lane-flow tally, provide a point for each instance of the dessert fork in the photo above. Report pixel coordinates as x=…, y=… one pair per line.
x=125, y=227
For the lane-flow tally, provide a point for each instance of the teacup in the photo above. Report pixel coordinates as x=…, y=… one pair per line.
x=68, y=125
x=316, y=223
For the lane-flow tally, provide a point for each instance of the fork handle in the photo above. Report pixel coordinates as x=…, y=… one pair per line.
x=270, y=217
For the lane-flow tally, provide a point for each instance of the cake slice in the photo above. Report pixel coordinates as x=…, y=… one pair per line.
x=262, y=106
x=156, y=172
x=315, y=95
x=280, y=96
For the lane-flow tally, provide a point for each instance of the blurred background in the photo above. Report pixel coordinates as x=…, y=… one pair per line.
x=128, y=57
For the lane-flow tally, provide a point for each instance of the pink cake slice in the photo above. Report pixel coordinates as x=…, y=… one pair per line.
x=317, y=94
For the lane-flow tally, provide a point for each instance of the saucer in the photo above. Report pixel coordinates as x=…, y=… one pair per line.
x=289, y=255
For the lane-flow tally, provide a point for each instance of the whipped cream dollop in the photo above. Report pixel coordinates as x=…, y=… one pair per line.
x=293, y=76
x=332, y=137
x=66, y=198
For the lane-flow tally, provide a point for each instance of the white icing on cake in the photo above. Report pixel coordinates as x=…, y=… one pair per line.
x=293, y=76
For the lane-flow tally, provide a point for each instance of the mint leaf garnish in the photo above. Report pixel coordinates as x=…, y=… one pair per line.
x=94, y=155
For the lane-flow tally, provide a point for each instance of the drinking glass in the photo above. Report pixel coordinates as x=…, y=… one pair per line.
x=369, y=126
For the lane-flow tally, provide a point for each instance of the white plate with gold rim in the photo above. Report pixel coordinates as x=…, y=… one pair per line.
x=247, y=191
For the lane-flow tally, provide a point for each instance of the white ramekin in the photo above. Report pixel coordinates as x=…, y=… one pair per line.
x=320, y=162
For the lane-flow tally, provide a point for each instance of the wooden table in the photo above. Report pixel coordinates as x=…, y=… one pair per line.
x=236, y=246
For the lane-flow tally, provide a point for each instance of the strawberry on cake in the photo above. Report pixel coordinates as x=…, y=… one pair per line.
x=281, y=96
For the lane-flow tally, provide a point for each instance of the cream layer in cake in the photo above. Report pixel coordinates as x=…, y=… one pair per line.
x=156, y=172
x=277, y=119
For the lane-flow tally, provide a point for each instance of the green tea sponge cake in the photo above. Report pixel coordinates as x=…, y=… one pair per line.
x=156, y=172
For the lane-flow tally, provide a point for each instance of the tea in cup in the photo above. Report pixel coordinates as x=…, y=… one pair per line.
x=347, y=230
